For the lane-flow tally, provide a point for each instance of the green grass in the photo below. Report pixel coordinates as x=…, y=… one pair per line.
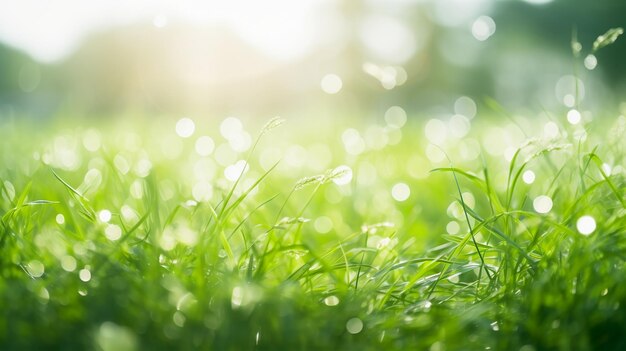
x=282, y=258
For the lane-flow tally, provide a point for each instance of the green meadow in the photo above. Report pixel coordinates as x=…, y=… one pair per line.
x=333, y=226
x=231, y=236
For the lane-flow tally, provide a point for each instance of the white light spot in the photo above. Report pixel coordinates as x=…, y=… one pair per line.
x=606, y=168
x=389, y=39
x=483, y=28
x=459, y=126
x=468, y=199
x=344, y=175
x=113, y=232
x=136, y=189
x=323, y=224
x=400, y=192
x=230, y=127
x=185, y=127
x=376, y=137
x=590, y=62
x=202, y=191
x=383, y=243
x=586, y=225
x=92, y=140
x=395, y=116
x=143, y=168
x=538, y=2
x=568, y=89
x=354, y=326
x=129, y=214
x=331, y=300
x=104, y=216
x=331, y=84
x=236, y=298
x=573, y=116
x=551, y=130
x=434, y=153
x=352, y=141
x=436, y=131
x=569, y=100
x=528, y=177
x=542, y=204
x=240, y=142
x=233, y=172
x=187, y=236
x=453, y=228
x=204, y=146
x=121, y=163
x=60, y=219
x=84, y=275
x=465, y=106
x=68, y=263
x=159, y=21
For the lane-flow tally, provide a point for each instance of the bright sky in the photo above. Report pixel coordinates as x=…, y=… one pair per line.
x=283, y=29
x=51, y=30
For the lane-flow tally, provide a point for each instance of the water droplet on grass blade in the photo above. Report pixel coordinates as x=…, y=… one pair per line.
x=179, y=319
x=60, y=219
x=607, y=38
x=590, y=62
x=341, y=175
x=271, y=124
x=84, y=275
x=35, y=268
x=331, y=300
x=354, y=326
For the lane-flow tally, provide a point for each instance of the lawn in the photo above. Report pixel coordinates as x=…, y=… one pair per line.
x=483, y=231
x=230, y=235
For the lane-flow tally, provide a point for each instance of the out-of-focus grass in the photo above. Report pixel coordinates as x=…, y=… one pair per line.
x=457, y=233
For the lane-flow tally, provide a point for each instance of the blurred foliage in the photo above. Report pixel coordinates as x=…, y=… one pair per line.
x=184, y=69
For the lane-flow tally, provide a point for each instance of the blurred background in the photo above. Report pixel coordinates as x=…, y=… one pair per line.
x=101, y=59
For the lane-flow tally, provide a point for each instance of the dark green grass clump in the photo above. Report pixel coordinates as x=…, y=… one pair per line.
x=122, y=245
